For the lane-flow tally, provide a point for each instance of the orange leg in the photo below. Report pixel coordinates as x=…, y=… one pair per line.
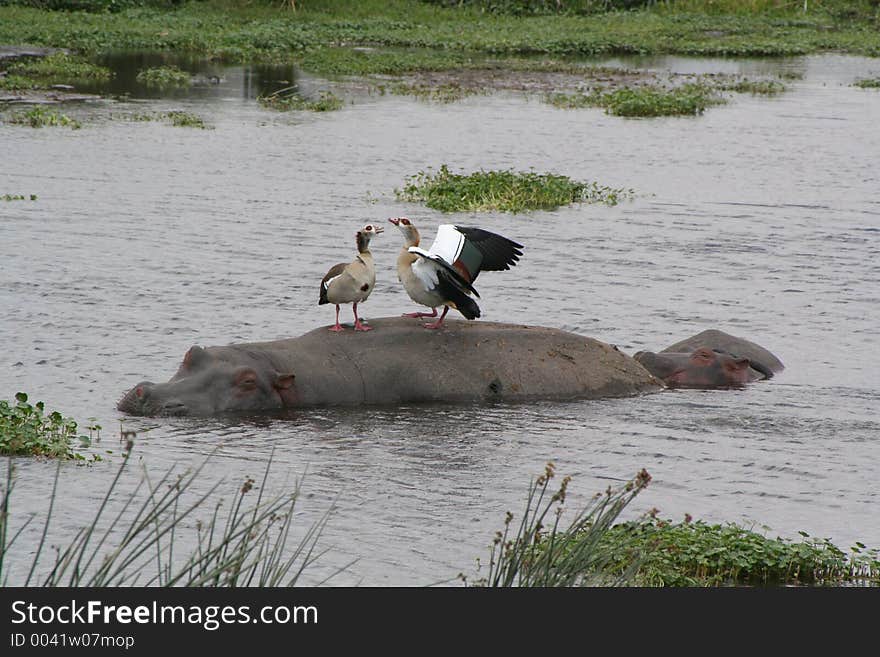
x=439, y=322
x=357, y=322
x=338, y=327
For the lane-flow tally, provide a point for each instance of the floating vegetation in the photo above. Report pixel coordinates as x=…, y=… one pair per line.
x=503, y=191
x=41, y=117
x=177, y=118
x=18, y=197
x=164, y=77
x=868, y=83
x=60, y=67
x=663, y=553
x=182, y=119
x=441, y=93
x=284, y=101
x=686, y=100
x=144, y=537
x=17, y=83
x=754, y=87
x=26, y=429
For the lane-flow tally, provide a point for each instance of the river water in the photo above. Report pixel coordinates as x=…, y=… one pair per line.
x=760, y=218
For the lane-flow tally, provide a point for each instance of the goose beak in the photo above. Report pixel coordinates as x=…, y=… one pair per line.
x=396, y=222
x=379, y=229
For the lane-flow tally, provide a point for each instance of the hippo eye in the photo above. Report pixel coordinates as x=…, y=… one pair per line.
x=246, y=380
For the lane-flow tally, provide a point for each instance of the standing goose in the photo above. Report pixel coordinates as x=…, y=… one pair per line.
x=443, y=275
x=352, y=282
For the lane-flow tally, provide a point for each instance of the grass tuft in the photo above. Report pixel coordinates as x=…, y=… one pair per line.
x=60, y=67
x=868, y=83
x=164, y=77
x=502, y=191
x=284, y=101
x=41, y=117
x=648, y=101
x=539, y=553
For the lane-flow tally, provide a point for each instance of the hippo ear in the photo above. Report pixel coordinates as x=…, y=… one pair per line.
x=283, y=381
x=738, y=364
x=194, y=357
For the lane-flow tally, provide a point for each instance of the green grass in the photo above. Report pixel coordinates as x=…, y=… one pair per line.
x=59, y=67
x=436, y=93
x=18, y=83
x=868, y=83
x=502, y=191
x=180, y=119
x=41, y=117
x=753, y=87
x=284, y=101
x=702, y=554
x=593, y=549
x=644, y=101
x=238, y=31
x=133, y=536
x=164, y=77
x=28, y=430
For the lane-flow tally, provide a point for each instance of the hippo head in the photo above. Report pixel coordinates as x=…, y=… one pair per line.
x=213, y=381
x=701, y=368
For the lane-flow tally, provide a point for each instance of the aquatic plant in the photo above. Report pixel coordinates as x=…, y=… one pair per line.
x=503, y=191
x=258, y=31
x=60, y=67
x=538, y=552
x=285, y=101
x=18, y=197
x=28, y=430
x=440, y=93
x=181, y=119
x=595, y=550
x=41, y=117
x=17, y=83
x=164, y=76
x=663, y=553
x=645, y=101
x=134, y=536
x=868, y=83
x=754, y=87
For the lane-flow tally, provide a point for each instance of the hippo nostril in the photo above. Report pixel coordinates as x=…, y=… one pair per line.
x=174, y=407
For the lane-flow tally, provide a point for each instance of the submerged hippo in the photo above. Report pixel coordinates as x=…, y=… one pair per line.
x=711, y=359
x=398, y=362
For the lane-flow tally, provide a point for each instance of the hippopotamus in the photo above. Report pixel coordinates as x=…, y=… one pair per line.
x=396, y=363
x=711, y=359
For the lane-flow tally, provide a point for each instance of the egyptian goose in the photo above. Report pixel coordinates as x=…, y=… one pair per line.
x=444, y=274
x=352, y=282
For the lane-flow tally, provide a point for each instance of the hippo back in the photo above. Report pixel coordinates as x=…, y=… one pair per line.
x=761, y=358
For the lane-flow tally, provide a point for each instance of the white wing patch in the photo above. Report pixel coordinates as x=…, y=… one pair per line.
x=448, y=243
x=426, y=272
x=330, y=280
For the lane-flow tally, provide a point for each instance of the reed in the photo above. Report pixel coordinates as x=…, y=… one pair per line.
x=134, y=538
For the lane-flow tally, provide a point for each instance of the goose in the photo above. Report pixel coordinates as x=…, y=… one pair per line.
x=444, y=274
x=352, y=282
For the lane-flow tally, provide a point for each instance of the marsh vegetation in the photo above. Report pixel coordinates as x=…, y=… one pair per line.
x=503, y=191
x=30, y=430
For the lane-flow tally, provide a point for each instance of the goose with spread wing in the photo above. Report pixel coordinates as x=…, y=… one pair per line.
x=444, y=274
x=354, y=281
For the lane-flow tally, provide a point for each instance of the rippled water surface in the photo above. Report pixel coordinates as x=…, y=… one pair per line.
x=761, y=218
